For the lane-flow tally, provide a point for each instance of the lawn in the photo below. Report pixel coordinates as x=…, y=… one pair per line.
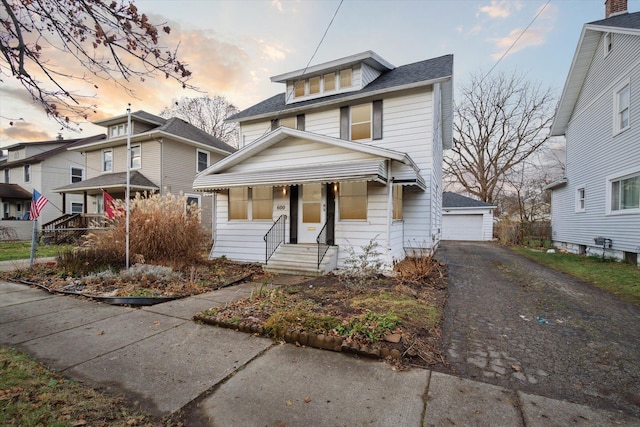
x=22, y=250
x=31, y=395
x=617, y=278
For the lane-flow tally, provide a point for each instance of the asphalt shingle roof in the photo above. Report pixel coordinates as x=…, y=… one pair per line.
x=429, y=69
x=179, y=127
x=37, y=158
x=453, y=200
x=110, y=180
x=14, y=191
x=626, y=20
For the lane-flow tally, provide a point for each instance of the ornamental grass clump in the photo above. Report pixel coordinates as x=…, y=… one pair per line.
x=162, y=230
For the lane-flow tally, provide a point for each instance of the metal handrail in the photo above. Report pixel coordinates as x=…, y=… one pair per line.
x=275, y=236
x=321, y=240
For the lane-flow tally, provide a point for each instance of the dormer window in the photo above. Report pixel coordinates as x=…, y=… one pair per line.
x=314, y=85
x=329, y=82
x=118, y=130
x=345, y=78
x=299, y=88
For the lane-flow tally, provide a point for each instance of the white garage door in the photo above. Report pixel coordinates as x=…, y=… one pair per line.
x=461, y=227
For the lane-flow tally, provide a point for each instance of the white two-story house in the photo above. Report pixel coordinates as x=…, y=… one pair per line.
x=350, y=152
x=595, y=209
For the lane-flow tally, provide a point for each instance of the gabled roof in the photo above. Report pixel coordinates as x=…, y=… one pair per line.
x=67, y=144
x=421, y=73
x=627, y=23
x=13, y=191
x=173, y=127
x=453, y=200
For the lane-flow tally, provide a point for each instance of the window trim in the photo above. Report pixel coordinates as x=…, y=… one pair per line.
x=629, y=173
x=620, y=87
x=608, y=43
x=26, y=173
x=580, y=205
x=131, y=157
x=103, y=168
x=249, y=206
x=76, y=203
x=81, y=169
x=339, y=204
x=198, y=151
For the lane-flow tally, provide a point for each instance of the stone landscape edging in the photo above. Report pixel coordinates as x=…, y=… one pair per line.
x=321, y=341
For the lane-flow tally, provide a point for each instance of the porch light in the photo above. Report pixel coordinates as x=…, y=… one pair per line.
x=335, y=188
x=284, y=191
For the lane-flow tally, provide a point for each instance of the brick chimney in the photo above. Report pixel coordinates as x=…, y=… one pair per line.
x=614, y=7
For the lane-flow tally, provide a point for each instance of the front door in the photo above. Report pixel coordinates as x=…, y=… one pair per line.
x=312, y=212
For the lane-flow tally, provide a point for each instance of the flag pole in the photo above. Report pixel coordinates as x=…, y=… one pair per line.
x=33, y=242
x=127, y=192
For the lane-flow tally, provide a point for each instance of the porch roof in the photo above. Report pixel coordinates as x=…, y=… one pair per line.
x=14, y=191
x=356, y=170
x=111, y=181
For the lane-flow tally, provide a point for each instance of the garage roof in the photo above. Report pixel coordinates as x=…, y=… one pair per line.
x=453, y=200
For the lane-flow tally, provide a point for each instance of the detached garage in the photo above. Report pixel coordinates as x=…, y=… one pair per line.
x=464, y=218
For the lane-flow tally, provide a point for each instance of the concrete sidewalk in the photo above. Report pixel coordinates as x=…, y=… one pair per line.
x=164, y=362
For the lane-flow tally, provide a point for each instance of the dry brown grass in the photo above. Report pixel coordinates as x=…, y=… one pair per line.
x=161, y=231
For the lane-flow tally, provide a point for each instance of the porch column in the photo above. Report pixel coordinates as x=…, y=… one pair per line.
x=86, y=202
x=389, y=211
x=64, y=203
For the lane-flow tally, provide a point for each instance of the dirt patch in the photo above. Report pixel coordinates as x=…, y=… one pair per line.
x=383, y=314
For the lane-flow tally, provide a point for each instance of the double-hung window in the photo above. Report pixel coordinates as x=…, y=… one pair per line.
x=107, y=160
x=202, y=161
x=361, y=122
x=251, y=203
x=77, y=174
x=621, y=110
x=580, y=199
x=625, y=193
x=6, y=176
x=27, y=173
x=136, y=157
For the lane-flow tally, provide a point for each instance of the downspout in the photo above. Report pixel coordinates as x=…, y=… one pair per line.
x=389, y=211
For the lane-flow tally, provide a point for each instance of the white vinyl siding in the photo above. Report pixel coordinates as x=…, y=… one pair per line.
x=594, y=154
x=251, y=132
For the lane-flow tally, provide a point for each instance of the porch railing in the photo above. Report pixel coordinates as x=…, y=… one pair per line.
x=323, y=247
x=69, y=227
x=275, y=236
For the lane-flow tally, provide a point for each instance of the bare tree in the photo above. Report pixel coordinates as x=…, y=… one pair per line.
x=207, y=114
x=43, y=41
x=500, y=121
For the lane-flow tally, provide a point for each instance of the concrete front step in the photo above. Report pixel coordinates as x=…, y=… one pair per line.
x=301, y=259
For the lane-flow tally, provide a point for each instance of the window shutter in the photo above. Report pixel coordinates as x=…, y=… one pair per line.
x=344, y=123
x=274, y=124
x=300, y=122
x=377, y=119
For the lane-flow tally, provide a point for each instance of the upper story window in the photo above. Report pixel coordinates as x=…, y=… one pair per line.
x=107, y=160
x=329, y=82
x=27, y=173
x=77, y=174
x=299, y=88
x=361, y=122
x=314, y=85
x=625, y=193
x=288, y=122
x=6, y=176
x=136, y=157
x=203, y=161
x=346, y=77
x=580, y=200
x=321, y=84
x=118, y=130
x=608, y=43
x=622, y=101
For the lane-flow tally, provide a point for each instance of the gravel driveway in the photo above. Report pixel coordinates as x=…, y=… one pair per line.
x=514, y=323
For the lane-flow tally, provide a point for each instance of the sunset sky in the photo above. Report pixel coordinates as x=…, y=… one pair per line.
x=234, y=47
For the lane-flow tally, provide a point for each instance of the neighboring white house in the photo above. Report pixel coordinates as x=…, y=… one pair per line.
x=166, y=155
x=597, y=204
x=352, y=151
x=42, y=166
x=464, y=218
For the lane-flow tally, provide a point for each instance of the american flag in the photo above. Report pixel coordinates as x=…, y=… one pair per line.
x=37, y=204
